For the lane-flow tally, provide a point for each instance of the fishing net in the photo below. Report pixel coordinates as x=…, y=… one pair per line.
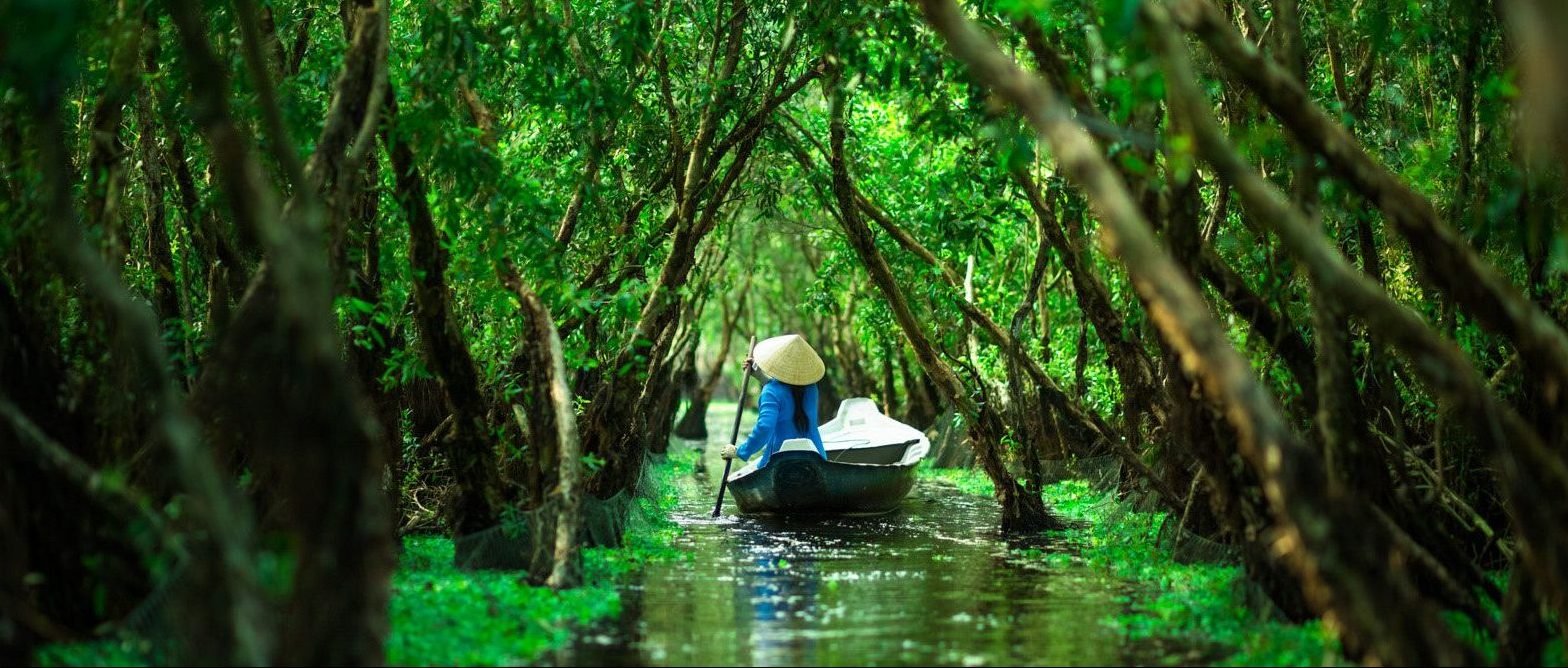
x=1103, y=472
x=1115, y=504
x=1191, y=548
x=950, y=442
x=147, y=631
x=1106, y=474
x=525, y=539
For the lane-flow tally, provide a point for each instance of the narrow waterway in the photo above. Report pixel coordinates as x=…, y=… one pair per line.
x=933, y=583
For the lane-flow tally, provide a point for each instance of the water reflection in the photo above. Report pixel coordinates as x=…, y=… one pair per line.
x=783, y=598
x=931, y=584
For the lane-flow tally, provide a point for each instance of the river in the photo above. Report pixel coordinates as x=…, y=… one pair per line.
x=932, y=583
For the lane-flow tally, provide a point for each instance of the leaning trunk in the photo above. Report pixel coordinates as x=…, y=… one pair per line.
x=1022, y=511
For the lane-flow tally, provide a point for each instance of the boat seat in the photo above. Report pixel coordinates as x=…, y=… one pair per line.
x=856, y=409
x=797, y=445
x=853, y=412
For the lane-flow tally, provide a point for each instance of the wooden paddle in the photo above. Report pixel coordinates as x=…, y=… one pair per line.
x=740, y=409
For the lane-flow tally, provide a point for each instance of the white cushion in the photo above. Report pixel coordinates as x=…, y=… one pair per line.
x=798, y=445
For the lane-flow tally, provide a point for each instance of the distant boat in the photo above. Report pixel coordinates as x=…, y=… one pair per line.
x=869, y=470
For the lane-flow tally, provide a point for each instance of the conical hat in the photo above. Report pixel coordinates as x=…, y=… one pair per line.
x=789, y=359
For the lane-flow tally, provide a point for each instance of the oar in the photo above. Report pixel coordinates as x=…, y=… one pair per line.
x=740, y=409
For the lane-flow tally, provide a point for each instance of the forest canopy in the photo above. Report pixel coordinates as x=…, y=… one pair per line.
x=282, y=282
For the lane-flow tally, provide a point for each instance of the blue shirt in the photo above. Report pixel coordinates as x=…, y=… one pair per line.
x=776, y=422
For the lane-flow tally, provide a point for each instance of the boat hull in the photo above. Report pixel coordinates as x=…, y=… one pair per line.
x=802, y=483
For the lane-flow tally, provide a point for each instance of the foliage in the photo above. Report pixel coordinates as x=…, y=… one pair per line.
x=102, y=653
x=445, y=616
x=526, y=118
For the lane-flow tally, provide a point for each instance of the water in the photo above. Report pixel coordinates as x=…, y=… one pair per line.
x=933, y=583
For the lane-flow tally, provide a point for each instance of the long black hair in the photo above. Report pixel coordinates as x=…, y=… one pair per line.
x=802, y=423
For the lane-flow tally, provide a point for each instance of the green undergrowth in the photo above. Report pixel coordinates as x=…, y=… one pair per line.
x=1203, y=603
x=98, y=653
x=443, y=615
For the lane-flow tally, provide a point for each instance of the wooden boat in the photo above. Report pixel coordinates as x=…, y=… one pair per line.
x=869, y=470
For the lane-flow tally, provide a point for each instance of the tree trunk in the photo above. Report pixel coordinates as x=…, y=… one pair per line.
x=699, y=198
x=919, y=407
x=1194, y=425
x=468, y=446
x=1132, y=365
x=1275, y=327
x=224, y=624
x=1443, y=256
x=1341, y=426
x=166, y=293
x=1321, y=527
x=694, y=424
x=1523, y=634
x=106, y=150
x=323, y=448
x=550, y=440
x=1022, y=511
x=1441, y=364
x=370, y=353
x=889, y=395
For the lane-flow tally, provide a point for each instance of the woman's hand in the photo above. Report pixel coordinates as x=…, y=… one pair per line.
x=728, y=452
x=755, y=371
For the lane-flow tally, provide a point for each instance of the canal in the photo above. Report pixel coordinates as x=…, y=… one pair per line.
x=932, y=583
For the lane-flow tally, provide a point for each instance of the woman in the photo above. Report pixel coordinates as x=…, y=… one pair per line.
x=788, y=406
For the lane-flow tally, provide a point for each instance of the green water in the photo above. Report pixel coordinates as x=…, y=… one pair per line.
x=931, y=583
